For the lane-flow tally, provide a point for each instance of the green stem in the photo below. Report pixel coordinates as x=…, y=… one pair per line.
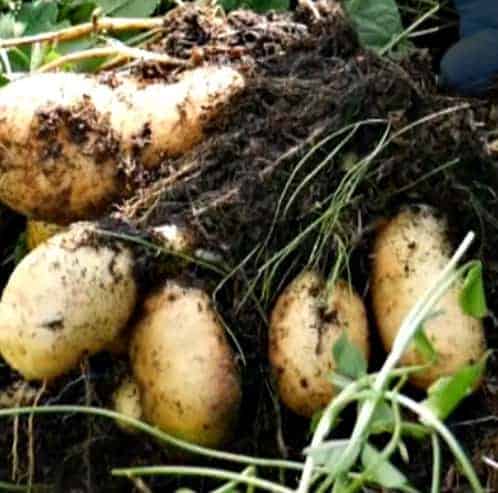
x=428, y=418
x=201, y=471
x=436, y=464
x=228, y=488
x=154, y=432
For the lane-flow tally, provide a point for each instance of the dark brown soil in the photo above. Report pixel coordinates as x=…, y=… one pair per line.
x=306, y=80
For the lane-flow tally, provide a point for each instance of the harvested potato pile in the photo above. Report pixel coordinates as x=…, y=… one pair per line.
x=263, y=189
x=68, y=140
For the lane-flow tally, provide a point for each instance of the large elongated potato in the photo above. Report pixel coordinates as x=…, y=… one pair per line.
x=303, y=331
x=409, y=252
x=65, y=138
x=69, y=297
x=185, y=367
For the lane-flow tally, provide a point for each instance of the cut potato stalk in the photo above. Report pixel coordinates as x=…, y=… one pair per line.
x=409, y=252
x=303, y=331
x=68, y=298
x=65, y=138
x=185, y=367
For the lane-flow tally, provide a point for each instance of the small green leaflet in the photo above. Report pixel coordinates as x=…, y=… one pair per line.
x=328, y=453
x=128, y=8
x=348, y=358
x=446, y=393
x=472, y=296
x=377, y=22
x=4, y=80
x=381, y=471
x=424, y=346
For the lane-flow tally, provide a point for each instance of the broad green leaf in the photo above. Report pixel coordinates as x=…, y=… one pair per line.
x=349, y=360
x=39, y=17
x=381, y=471
x=128, y=8
x=472, y=296
x=377, y=22
x=424, y=346
x=446, y=393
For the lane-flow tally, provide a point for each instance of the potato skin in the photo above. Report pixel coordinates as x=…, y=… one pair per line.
x=38, y=232
x=66, y=140
x=409, y=252
x=67, y=298
x=302, y=335
x=127, y=401
x=185, y=368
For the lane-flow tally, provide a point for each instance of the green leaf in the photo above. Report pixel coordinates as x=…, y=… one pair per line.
x=328, y=453
x=381, y=471
x=377, y=22
x=424, y=346
x=9, y=27
x=349, y=360
x=4, y=80
x=446, y=393
x=128, y=8
x=39, y=17
x=383, y=418
x=472, y=296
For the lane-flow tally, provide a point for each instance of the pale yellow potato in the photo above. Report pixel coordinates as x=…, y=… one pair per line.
x=37, y=232
x=303, y=331
x=185, y=367
x=66, y=138
x=68, y=298
x=410, y=251
x=126, y=400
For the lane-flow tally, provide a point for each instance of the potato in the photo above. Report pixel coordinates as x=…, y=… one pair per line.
x=126, y=400
x=185, y=368
x=409, y=252
x=66, y=138
x=69, y=297
x=37, y=232
x=303, y=331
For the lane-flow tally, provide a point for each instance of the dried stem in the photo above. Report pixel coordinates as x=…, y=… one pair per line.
x=99, y=25
x=125, y=51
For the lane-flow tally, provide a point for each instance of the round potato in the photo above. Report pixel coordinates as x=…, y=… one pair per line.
x=68, y=140
x=37, y=232
x=126, y=400
x=185, y=367
x=409, y=252
x=68, y=298
x=303, y=331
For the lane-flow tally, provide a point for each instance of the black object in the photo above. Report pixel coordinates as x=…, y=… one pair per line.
x=471, y=65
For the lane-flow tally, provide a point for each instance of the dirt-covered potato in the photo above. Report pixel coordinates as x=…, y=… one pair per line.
x=185, y=367
x=66, y=140
x=37, y=232
x=126, y=400
x=69, y=297
x=409, y=252
x=303, y=330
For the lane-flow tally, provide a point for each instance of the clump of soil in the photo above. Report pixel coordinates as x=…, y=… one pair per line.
x=326, y=141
